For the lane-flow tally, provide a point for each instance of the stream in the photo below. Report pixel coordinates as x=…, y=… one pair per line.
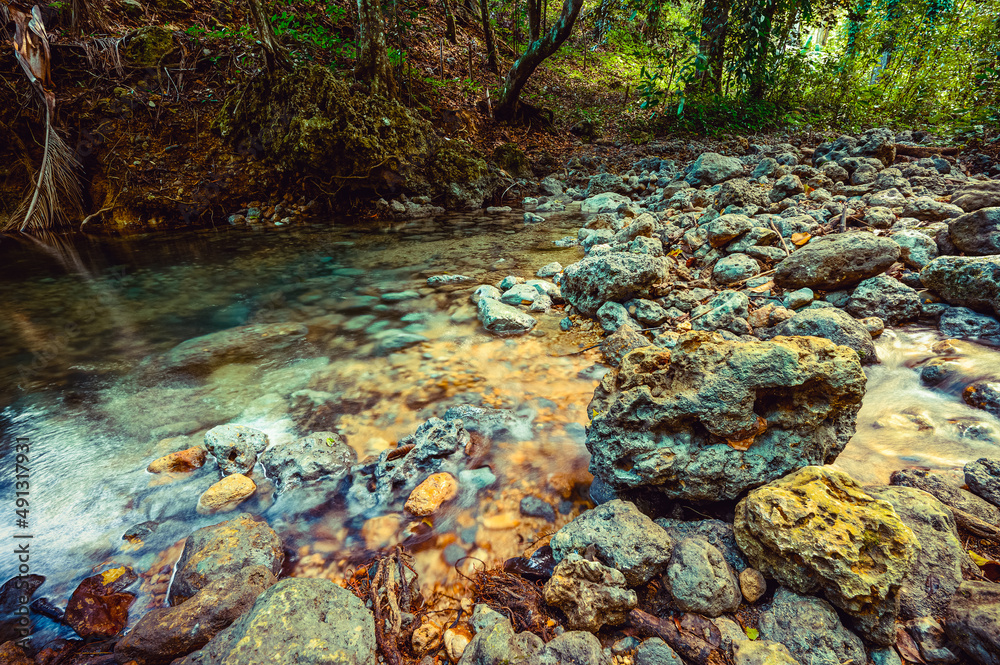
x=82, y=319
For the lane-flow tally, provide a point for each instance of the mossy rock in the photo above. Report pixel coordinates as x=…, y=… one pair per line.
x=148, y=46
x=310, y=121
x=512, y=159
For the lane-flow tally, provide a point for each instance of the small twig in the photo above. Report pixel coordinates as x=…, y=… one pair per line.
x=843, y=219
x=93, y=215
x=784, y=245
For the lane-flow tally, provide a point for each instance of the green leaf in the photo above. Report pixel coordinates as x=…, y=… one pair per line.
x=752, y=633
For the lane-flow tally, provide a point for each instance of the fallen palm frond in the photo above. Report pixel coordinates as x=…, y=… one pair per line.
x=103, y=53
x=56, y=192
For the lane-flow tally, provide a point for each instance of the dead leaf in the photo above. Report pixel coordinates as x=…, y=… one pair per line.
x=767, y=286
x=906, y=646
x=799, y=239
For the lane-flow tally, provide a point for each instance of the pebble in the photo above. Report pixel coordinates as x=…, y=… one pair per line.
x=532, y=506
x=438, y=280
x=182, y=461
x=428, y=496
x=752, y=584
x=501, y=521
x=455, y=641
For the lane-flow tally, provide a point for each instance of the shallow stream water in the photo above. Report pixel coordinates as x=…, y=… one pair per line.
x=82, y=319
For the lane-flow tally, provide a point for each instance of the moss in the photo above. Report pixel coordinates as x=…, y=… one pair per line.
x=149, y=45
x=512, y=159
x=456, y=161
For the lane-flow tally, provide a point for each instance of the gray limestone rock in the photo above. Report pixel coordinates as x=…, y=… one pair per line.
x=831, y=262
x=811, y=630
x=700, y=580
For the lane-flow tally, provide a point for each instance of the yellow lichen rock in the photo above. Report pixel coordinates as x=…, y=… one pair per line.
x=816, y=530
x=428, y=496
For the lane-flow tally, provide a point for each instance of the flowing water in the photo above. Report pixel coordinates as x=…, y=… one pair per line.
x=83, y=318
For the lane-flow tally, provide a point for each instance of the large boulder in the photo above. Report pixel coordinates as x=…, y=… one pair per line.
x=926, y=208
x=973, y=621
x=298, y=620
x=590, y=283
x=165, y=633
x=941, y=558
x=243, y=344
x=832, y=324
x=832, y=262
x=811, y=630
x=711, y=168
x=972, y=282
x=816, y=529
x=977, y=233
x=297, y=120
x=308, y=458
x=223, y=550
x=712, y=418
x=623, y=538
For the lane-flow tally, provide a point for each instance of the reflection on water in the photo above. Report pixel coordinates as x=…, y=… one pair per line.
x=84, y=320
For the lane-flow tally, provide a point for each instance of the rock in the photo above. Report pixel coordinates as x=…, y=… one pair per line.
x=700, y=580
x=735, y=268
x=727, y=310
x=244, y=344
x=937, y=569
x=496, y=643
x=520, y=294
x=447, y=279
x=736, y=415
x=235, y=447
x=165, y=633
x=624, y=538
x=549, y=269
x=885, y=297
x=455, y=641
x=752, y=585
x=929, y=636
x=571, y=648
x=13, y=654
x=298, y=620
x=622, y=342
x=726, y=228
x=983, y=395
x=148, y=46
x=715, y=532
x=879, y=217
x=762, y=652
x=800, y=298
x=183, y=461
x=983, y=478
x=99, y=605
x=786, y=187
x=613, y=316
x=811, y=630
x=308, y=458
x=646, y=312
x=590, y=283
x=655, y=651
x=832, y=324
x=502, y=319
x=605, y=182
x=226, y=494
x=223, y=550
x=428, y=496
x=532, y=506
x=591, y=594
x=741, y=192
x=947, y=492
x=831, y=262
x=606, y=202
x=391, y=341
x=485, y=291
x=972, y=282
x=962, y=322
x=711, y=168
x=977, y=233
x=977, y=195
x=926, y=209
x=916, y=249
x=512, y=159
x=973, y=621
x=816, y=529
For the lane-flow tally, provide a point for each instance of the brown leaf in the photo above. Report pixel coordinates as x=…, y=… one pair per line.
x=906, y=646
x=699, y=626
x=799, y=239
x=763, y=287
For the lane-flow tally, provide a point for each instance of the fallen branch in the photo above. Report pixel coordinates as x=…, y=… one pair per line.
x=690, y=647
x=784, y=244
x=974, y=525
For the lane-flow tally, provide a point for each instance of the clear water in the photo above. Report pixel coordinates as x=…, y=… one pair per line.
x=82, y=318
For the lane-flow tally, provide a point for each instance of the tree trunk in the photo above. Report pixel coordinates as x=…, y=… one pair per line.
x=652, y=28
x=714, y=30
x=491, y=47
x=534, y=20
x=449, y=17
x=534, y=54
x=762, y=49
x=373, y=67
x=274, y=53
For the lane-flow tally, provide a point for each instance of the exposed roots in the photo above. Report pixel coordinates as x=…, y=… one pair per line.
x=390, y=583
x=514, y=597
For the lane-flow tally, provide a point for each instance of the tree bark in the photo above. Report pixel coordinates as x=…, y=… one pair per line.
x=491, y=47
x=373, y=67
x=533, y=56
x=762, y=48
x=274, y=53
x=714, y=30
x=534, y=20
x=652, y=28
x=449, y=17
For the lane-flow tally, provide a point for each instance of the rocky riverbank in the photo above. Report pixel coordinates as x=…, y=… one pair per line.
x=738, y=298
